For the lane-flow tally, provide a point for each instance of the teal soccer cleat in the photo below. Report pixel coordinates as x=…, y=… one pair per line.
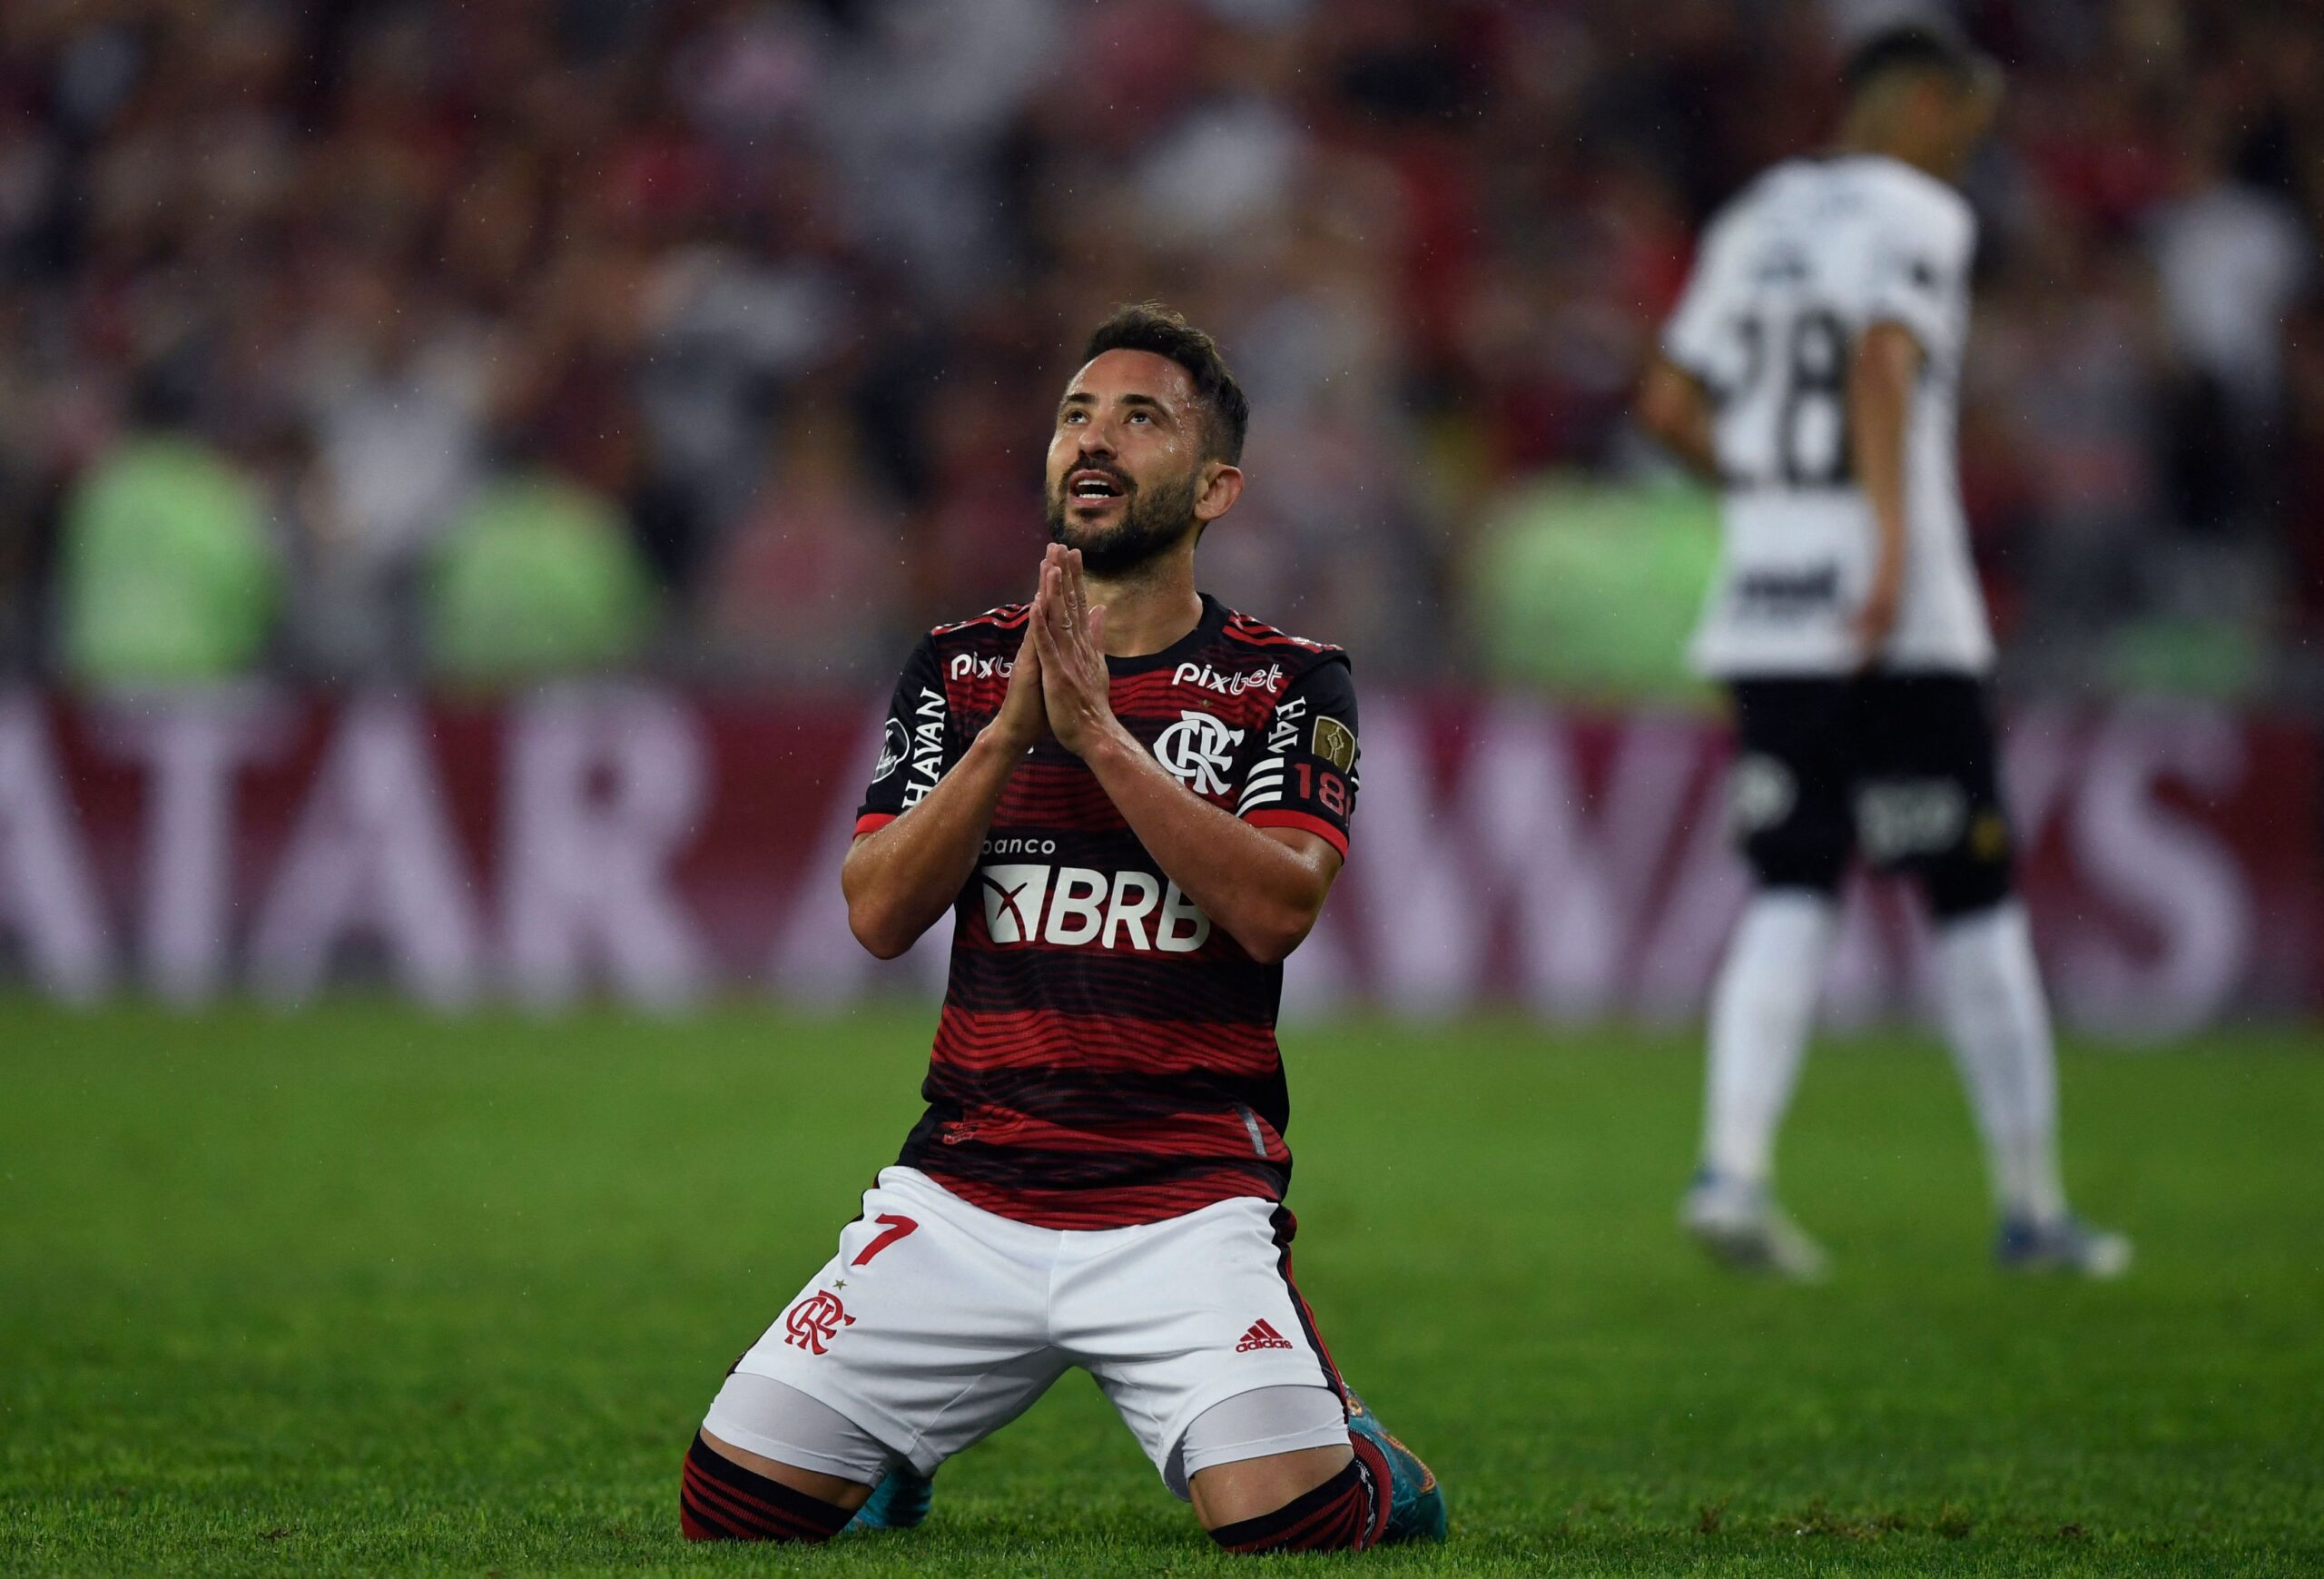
x=1415, y=1501
x=898, y=1503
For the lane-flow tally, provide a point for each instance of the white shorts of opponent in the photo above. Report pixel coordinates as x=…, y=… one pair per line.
x=938, y=1323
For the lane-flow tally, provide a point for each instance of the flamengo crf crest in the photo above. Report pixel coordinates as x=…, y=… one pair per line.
x=1197, y=750
x=815, y=1320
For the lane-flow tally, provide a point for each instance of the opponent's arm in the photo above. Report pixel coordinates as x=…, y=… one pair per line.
x=1264, y=886
x=899, y=878
x=1880, y=402
x=1674, y=409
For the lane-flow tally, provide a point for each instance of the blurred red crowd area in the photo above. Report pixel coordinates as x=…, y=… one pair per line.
x=768, y=300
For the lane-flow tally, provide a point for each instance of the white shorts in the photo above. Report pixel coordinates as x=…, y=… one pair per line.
x=938, y=1323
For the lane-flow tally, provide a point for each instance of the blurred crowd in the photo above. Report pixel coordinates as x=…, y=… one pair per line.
x=480, y=339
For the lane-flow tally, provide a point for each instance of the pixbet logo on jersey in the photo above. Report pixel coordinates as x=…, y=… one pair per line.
x=1269, y=679
x=969, y=666
x=1073, y=906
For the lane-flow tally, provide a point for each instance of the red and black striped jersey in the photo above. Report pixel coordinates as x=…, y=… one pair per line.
x=1105, y=1055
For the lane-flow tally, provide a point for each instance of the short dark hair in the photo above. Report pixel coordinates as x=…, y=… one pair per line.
x=1151, y=326
x=1916, y=46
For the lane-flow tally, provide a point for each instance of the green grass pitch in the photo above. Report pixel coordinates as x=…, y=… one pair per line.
x=367, y=1290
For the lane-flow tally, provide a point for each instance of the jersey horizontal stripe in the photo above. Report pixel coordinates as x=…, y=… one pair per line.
x=1244, y=628
x=1146, y=986
x=1065, y=1092
x=1008, y=617
x=1102, y=1043
x=935, y=1144
x=872, y=822
x=1284, y=817
x=1183, y=1134
x=1095, y=1207
x=1048, y=795
x=1164, y=700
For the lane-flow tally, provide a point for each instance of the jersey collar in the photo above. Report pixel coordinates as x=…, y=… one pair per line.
x=1207, y=628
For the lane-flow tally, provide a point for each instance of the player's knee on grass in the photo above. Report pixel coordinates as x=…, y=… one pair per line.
x=1346, y=1513
x=762, y=1415
x=726, y=1498
x=721, y=1500
x=1274, y=1470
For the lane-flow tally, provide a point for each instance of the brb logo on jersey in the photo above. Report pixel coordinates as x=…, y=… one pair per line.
x=1072, y=906
x=1197, y=750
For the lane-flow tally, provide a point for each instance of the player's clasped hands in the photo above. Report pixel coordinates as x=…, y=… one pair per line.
x=1067, y=639
x=1023, y=720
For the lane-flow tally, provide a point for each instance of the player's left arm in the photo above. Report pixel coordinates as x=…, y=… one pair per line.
x=1264, y=886
x=1887, y=364
x=1901, y=281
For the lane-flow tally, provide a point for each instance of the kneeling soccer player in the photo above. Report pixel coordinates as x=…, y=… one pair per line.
x=1134, y=801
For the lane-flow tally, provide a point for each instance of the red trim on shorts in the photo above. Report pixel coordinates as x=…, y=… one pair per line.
x=872, y=822
x=1284, y=817
x=1286, y=1226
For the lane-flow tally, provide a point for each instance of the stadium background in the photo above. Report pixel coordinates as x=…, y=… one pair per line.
x=697, y=354
x=469, y=470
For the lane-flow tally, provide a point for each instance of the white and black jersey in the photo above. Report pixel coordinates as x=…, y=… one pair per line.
x=1791, y=275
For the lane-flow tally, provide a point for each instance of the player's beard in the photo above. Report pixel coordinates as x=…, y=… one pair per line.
x=1153, y=522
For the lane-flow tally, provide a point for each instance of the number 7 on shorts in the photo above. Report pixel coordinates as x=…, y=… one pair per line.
x=897, y=1226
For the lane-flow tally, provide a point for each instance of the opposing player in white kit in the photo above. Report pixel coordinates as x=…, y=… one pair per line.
x=1812, y=367
x=1133, y=801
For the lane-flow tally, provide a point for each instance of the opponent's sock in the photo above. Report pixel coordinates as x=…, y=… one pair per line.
x=719, y=1500
x=1761, y=1012
x=1990, y=995
x=1346, y=1513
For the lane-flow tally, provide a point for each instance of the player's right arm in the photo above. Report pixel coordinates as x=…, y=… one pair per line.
x=1675, y=404
x=900, y=877
x=1674, y=409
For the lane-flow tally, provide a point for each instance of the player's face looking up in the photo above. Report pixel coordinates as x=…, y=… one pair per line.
x=1130, y=477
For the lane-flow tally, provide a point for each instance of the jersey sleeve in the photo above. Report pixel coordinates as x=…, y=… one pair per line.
x=915, y=743
x=1691, y=336
x=1306, y=774
x=1911, y=267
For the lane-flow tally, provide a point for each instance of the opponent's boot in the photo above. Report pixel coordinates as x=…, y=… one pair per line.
x=1742, y=1227
x=2067, y=1245
x=1415, y=1501
x=899, y=1502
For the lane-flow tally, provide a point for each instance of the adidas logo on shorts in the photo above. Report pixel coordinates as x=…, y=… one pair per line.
x=1262, y=1335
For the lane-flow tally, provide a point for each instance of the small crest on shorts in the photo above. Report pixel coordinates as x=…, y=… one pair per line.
x=815, y=1320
